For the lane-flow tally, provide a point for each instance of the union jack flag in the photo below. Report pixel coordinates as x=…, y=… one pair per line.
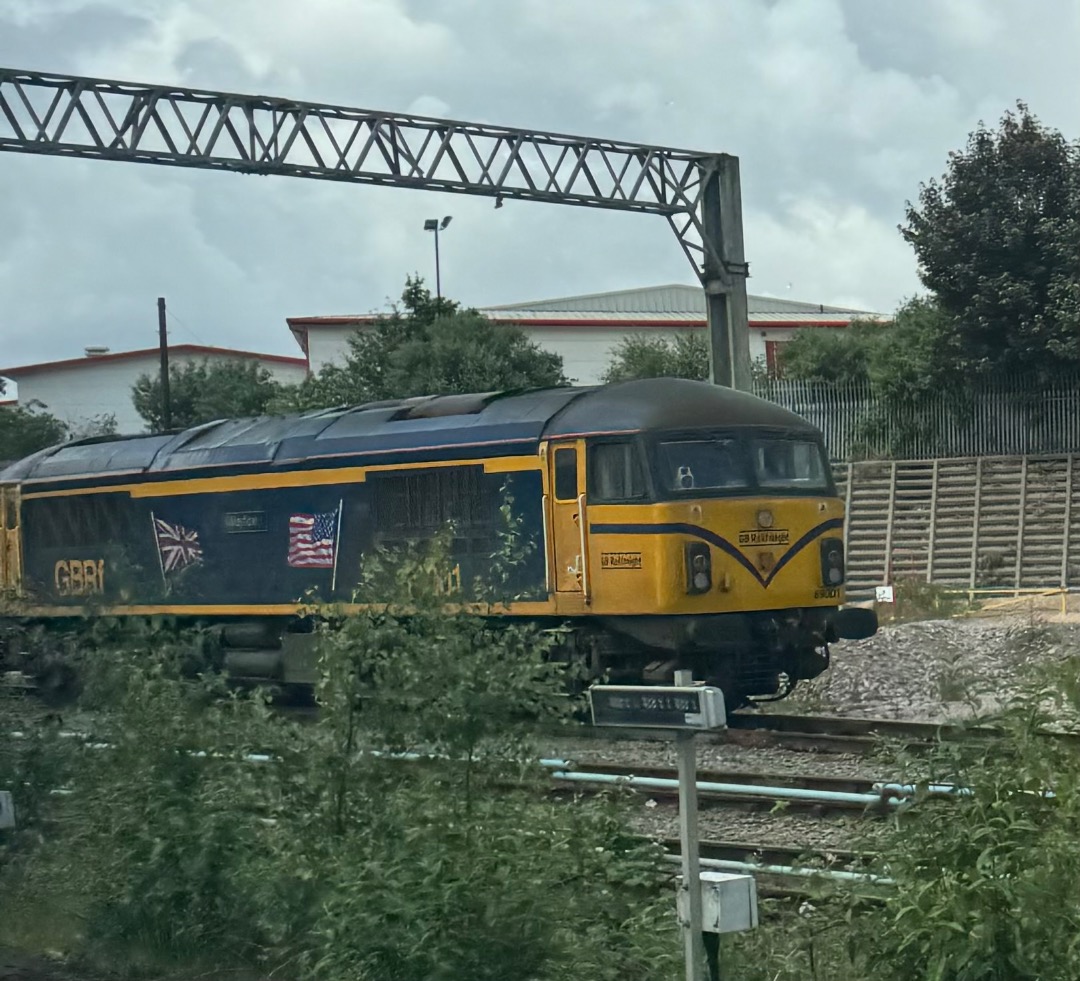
x=178, y=546
x=313, y=540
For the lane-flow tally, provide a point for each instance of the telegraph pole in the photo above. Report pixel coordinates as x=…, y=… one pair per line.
x=163, y=347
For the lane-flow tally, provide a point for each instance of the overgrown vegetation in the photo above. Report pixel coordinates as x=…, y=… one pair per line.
x=406, y=834
x=916, y=599
x=427, y=346
x=681, y=355
x=203, y=391
x=984, y=878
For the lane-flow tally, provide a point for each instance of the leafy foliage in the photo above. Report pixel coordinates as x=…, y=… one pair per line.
x=404, y=834
x=997, y=239
x=682, y=355
x=901, y=357
x=998, y=244
x=902, y=365
x=25, y=431
x=163, y=845
x=202, y=391
x=428, y=346
x=986, y=881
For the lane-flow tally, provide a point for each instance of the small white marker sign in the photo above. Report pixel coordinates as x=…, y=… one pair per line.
x=660, y=707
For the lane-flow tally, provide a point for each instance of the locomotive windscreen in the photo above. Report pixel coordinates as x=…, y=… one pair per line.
x=737, y=463
x=795, y=464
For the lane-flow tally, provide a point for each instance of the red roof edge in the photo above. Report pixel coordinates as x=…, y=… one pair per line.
x=179, y=349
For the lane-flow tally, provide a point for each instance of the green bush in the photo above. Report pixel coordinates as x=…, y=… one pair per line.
x=917, y=599
x=159, y=833
x=988, y=882
x=204, y=829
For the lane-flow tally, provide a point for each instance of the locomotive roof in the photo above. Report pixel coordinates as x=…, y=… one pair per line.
x=492, y=423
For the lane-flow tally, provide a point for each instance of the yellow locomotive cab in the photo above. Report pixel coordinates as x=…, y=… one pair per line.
x=714, y=543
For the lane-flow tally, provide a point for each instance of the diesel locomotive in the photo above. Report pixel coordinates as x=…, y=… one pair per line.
x=667, y=524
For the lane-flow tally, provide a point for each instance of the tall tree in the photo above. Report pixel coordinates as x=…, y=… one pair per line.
x=683, y=355
x=428, y=346
x=904, y=356
x=204, y=391
x=998, y=244
x=25, y=431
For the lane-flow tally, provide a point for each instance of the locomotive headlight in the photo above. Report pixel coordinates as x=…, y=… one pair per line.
x=764, y=518
x=698, y=568
x=832, y=561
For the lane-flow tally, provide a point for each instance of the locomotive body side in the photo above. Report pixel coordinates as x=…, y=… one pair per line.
x=666, y=527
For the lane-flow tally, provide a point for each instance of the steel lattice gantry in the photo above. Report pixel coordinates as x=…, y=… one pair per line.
x=698, y=193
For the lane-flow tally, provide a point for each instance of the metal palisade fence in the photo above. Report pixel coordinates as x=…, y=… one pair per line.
x=1006, y=416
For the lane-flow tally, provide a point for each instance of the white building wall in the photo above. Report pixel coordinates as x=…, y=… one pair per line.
x=327, y=345
x=586, y=351
x=78, y=393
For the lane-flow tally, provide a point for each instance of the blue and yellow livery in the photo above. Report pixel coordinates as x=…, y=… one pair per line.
x=671, y=523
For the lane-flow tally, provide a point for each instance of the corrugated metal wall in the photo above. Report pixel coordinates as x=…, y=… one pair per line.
x=1002, y=522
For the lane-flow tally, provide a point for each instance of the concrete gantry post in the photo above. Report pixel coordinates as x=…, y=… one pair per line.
x=723, y=275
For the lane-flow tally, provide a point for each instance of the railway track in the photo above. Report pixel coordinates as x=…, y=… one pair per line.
x=789, y=870
x=809, y=733
x=820, y=734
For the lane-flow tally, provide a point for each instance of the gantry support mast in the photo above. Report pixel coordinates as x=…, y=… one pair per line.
x=698, y=193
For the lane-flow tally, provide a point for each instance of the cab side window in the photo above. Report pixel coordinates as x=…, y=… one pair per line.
x=566, y=474
x=615, y=473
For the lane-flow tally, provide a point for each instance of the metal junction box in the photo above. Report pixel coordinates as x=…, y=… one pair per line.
x=728, y=902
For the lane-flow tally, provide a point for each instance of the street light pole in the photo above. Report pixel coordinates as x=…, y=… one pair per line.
x=433, y=225
x=438, y=277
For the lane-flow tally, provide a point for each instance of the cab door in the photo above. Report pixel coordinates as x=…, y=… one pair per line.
x=10, y=566
x=568, y=521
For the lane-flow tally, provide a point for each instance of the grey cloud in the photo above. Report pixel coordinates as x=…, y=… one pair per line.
x=213, y=63
x=62, y=34
x=837, y=109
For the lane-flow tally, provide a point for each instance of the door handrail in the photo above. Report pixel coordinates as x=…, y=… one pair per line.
x=586, y=591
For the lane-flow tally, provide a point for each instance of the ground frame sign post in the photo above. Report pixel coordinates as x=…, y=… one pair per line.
x=685, y=709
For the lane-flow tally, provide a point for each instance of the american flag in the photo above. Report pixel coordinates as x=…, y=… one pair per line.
x=178, y=546
x=312, y=540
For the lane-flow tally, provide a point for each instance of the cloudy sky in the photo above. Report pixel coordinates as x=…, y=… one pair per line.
x=837, y=109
